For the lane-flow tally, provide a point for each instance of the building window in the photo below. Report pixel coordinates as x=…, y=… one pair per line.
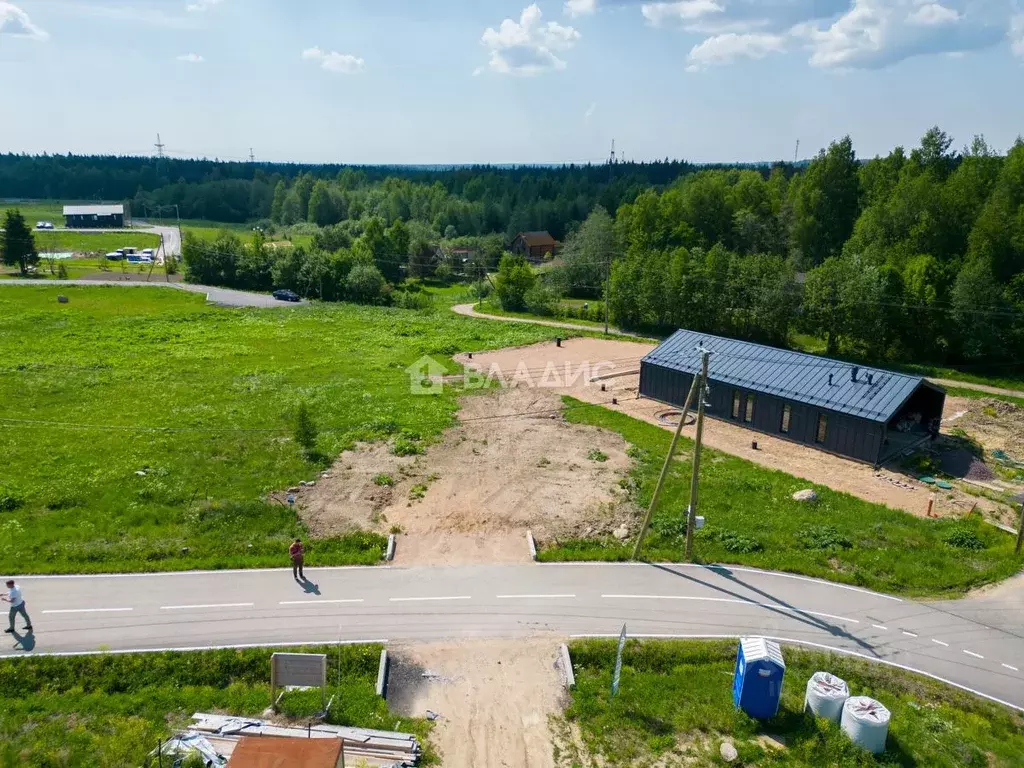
x=822, y=428
x=736, y=400
x=787, y=413
x=749, y=415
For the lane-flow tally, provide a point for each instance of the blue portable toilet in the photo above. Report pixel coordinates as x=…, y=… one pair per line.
x=757, y=684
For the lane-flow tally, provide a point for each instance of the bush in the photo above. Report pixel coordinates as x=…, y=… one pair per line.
x=383, y=480
x=305, y=429
x=481, y=289
x=443, y=272
x=515, y=279
x=964, y=536
x=366, y=284
x=596, y=455
x=541, y=300
x=410, y=300
x=8, y=501
x=62, y=271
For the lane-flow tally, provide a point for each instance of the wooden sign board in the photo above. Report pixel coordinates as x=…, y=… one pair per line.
x=299, y=670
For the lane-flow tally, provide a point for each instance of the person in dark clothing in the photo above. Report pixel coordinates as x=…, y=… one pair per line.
x=296, y=552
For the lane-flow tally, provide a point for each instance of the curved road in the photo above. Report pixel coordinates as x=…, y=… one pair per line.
x=75, y=614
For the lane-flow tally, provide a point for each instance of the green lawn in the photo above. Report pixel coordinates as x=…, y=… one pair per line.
x=108, y=711
x=202, y=399
x=493, y=308
x=92, y=242
x=752, y=520
x=37, y=210
x=675, y=703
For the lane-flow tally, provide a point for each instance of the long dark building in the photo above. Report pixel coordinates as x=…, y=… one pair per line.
x=94, y=216
x=867, y=414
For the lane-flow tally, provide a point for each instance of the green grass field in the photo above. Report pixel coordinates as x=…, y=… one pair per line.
x=92, y=242
x=37, y=210
x=752, y=520
x=675, y=707
x=202, y=400
x=109, y=711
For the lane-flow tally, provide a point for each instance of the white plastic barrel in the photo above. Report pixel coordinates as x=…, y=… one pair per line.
x=866, y=722
x=826, y=695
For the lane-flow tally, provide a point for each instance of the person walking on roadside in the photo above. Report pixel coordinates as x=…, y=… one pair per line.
x=295, y=551
x=17, y=606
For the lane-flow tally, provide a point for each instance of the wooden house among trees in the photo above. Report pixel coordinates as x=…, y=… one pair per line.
x=535, y=245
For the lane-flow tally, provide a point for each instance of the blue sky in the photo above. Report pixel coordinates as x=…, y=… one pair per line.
x=435, y=81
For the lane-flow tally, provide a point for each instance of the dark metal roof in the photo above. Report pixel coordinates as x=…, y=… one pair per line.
x=789, y=375
x=534, y=239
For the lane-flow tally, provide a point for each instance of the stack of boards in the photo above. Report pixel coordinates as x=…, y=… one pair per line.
x=362, y=745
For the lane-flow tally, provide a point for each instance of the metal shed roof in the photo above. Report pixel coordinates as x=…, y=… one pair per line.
x=789, y=375
x=93, y=210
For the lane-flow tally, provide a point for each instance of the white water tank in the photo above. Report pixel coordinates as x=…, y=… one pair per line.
x=866, y=722
x=826, y=695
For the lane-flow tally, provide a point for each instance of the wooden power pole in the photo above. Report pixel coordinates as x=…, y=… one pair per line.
x=691, y=517
x=1020, y=529
x=664, y=470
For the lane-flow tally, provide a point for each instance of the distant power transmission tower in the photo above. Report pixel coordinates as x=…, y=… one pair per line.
x=159, y=146
x=252, y=157
x=611, y=160
x=796, y=151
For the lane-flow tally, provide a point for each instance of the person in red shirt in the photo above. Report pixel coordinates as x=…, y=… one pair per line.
x=296, y=551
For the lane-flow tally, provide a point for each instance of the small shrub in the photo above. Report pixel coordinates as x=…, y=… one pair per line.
x=596, y=455
x=62, y=271
x=541, y=300
x=543, y=461
x=9, y=501
x=964, y=537
x=406, y=446
x=730, y=540
x=417, y=492
x=305, y=429
x=385, y=481
x=396, y=529
x=823, y=537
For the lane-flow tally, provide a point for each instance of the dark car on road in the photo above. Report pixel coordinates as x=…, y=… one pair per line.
x=285, y=295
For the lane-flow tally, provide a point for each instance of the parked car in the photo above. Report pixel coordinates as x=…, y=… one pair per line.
x=285, y=295
x=115, y=255
x=148, y=252
x=44, y=225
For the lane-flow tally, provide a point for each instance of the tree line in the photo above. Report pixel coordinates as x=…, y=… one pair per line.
x=915, y=256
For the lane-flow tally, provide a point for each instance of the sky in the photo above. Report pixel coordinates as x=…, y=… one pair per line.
x=506, y=81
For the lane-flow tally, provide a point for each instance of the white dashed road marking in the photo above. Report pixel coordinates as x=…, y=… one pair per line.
x=198, y=607
x=939, y=642
x=879, y=626
x=1009, y=667
x=975, y=655
x=909, y=634
x=534, y=597
x=317, y=602
x=414, y=599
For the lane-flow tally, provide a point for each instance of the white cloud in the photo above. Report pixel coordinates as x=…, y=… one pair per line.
x=191, y=58
x=202, y=5
x=14, y=21
x=528, y=47
x=661, y=14
x=576, y=8
x=724, y=49
x=345, y=63
x=877, y=33
x=590, y=112
x=1017, y=35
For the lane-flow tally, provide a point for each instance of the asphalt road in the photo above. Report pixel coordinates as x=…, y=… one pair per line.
x=203, y=609
x=224, y=297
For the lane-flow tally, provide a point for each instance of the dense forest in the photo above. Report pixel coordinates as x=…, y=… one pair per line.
x=914, y=256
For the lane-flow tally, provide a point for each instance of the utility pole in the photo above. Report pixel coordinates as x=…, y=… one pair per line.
x=796, y=152
x=664, y=470
x=607, y=288
x=691, y=517
x=159, y=147
x=1020, y=530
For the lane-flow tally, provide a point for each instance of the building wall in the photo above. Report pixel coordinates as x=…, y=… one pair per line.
x=94, y=222
x=844, y=435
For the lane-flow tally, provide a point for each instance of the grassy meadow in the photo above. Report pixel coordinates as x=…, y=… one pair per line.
x=140, y=429
x=675, y=707
x=752, y=520
x=92, y=242
x=109, y=711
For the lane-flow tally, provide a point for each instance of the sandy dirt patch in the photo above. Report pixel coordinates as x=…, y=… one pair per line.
x=512, y=464
x=494, y=699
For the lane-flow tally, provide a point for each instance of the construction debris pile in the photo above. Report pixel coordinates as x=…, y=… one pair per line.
x=217, y=736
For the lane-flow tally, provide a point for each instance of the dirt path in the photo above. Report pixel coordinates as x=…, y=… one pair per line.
x=470, y=311
x=494, y=699
x=512, y=464
x=978, y=387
